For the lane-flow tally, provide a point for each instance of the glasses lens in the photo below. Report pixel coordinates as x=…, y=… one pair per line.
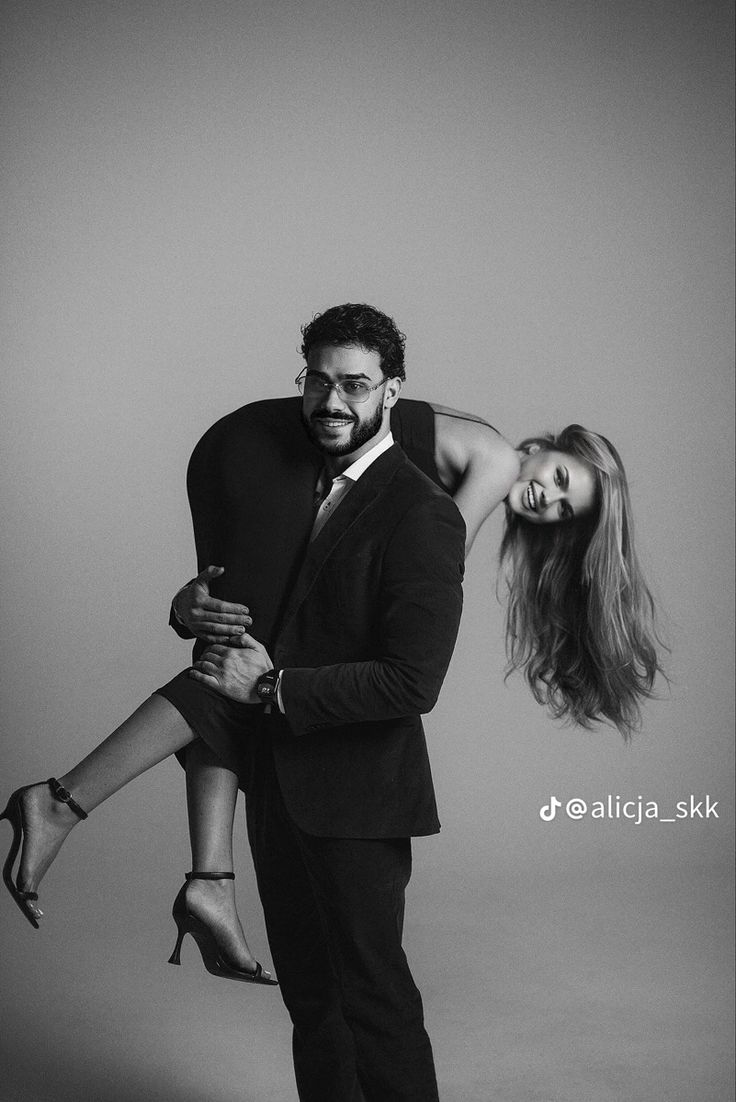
x=352, y=391
x=314, y=386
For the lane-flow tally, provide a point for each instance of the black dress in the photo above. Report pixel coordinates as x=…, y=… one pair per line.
x=230, y=508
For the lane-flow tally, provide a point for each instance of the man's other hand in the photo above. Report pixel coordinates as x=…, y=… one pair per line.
x=206, y=617
x=234, y=671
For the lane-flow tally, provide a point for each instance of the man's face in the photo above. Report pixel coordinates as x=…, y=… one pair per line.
x=334, y=424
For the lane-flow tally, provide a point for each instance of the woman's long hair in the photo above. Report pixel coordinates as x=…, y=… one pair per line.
x=580, y=617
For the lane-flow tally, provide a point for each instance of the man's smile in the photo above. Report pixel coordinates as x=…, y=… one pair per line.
x=329, y=422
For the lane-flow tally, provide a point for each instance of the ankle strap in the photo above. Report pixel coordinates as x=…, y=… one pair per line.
x=209, y=875
x=64, y=796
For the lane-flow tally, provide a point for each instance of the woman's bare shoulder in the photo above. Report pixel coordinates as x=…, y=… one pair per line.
x=467, y=434
x=464, y=442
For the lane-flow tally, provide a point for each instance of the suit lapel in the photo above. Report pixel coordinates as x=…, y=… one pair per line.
x=368, y=487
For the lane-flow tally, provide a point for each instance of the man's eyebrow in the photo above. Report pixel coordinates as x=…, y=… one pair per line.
x=345, y=375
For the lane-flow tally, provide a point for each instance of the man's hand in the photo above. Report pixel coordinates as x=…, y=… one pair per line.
x=206, y=617
x=234, y=672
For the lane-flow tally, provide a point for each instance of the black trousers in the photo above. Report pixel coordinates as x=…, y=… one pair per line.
x=334, y=910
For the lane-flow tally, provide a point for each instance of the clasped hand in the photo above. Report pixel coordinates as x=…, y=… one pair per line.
x=234, y=671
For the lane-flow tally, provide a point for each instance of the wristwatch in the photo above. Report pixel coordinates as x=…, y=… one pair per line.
x=266, y=687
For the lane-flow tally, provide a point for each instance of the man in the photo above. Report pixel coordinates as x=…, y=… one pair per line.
x=338, y=777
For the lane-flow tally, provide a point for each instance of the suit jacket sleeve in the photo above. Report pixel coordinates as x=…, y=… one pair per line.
x=419, y=605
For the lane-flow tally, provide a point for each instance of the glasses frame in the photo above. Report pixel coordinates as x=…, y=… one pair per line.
x=301, y=382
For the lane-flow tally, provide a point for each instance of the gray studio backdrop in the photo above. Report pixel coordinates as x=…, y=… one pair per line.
x=540, y=194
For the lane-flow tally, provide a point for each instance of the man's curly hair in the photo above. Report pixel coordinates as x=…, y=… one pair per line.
x=362, y=326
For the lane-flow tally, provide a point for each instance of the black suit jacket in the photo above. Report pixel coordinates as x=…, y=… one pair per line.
x=365, y=641
x=363, y=619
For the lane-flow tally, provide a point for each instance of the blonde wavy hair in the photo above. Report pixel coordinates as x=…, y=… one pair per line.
x=580, y=619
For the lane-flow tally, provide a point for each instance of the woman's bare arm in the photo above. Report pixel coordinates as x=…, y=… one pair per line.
x=476, y=465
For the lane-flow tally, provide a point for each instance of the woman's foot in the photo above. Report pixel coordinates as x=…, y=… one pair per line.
x=45, y=823
x=213, y=903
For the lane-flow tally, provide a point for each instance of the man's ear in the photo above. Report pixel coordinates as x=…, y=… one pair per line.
x=391, y=393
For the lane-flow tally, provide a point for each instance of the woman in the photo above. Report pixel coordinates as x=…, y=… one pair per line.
x=579, y=623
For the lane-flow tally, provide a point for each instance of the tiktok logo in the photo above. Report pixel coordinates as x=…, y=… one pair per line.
x=548, y=811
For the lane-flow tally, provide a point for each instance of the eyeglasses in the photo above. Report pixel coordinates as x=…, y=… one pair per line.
x=353, y=391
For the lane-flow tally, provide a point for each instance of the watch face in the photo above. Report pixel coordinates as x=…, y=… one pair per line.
x=266, y=687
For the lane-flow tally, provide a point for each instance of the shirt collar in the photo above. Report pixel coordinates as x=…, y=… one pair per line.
x=361, y=465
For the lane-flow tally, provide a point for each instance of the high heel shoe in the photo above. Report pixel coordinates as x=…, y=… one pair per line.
x=14, y=814
x=187, y=923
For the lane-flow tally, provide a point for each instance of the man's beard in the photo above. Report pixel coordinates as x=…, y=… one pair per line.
x=360, y=433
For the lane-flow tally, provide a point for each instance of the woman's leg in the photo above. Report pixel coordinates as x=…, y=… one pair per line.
x=154, y=731
x=212, y=792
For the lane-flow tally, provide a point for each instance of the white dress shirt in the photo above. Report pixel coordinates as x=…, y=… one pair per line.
x=341, y=487
x=343, y=483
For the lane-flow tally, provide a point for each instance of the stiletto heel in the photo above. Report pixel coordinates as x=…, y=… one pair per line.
x=14, y=814
x=175, y=957
x=187, y=923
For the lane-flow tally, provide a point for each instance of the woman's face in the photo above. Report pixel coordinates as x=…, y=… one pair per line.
x=552, y=487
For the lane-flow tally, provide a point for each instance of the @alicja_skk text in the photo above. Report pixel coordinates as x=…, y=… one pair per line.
x=635, y=810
